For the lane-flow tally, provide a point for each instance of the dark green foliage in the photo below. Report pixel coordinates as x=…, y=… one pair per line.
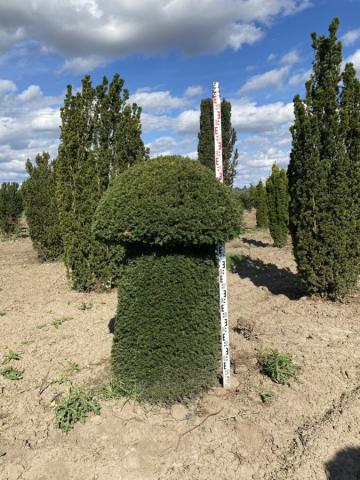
x=206, y=148
x=278, y=205
x=100, y=137
x=168, y=201
x=247, y=195
x=166, y=342
x=40, y=208
x=10, y=207
x=261, y=206
x=324, y=174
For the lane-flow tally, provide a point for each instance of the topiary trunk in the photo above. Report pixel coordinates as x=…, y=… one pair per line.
x=166, y=339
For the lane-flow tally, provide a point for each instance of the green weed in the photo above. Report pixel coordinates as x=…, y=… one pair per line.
x=74, y=408
x=2, y=313
x=85, y=306
x=277, y=365
x=233, y=260
x=266, y=395
x=59, y=321
x=12, y=373
x=68, y=371
x=10, y=355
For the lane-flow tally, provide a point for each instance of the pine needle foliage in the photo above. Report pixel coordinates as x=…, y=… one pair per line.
x=206, y=147
x=166, y=339
x=11, y=207
x=262, y=220
x=41, y=209
x=100, y=138
x=324, y=174
x=278, y=205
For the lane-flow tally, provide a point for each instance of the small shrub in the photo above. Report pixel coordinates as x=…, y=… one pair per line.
x=59, y=321
x=2, y=313
x=12, y=373
x=74, y=408
x=277, y=365
x=10, y=355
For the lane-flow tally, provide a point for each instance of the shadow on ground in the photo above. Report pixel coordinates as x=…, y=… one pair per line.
x=255, y=243
x=111, y=325
x=279, y=281
x=345, y=465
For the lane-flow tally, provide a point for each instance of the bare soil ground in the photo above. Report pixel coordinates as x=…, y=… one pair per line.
x=309, y=430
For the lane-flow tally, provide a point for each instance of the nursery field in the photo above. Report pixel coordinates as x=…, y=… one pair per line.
x=257, y=430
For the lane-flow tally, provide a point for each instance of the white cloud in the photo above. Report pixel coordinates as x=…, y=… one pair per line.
x=247, y=116
x=350, y=37
x=90, y=31
x=31, y=93
x=83, y=64
x=272, y=78
x=355, y=59
x=194, y=91
x=29, y=124
x=7, y=86
x=290, y=58
x=299, y=77
x=188, y=121
x=157, y=101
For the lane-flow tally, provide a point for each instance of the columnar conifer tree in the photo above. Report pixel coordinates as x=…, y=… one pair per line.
x=94, y=139
x=278, y=205
x=40, y=208
x=206, y=149
x=10, y=207
x=324, y=174
x=261, y=206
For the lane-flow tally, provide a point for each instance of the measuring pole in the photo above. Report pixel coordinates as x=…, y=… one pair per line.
x=225, y=343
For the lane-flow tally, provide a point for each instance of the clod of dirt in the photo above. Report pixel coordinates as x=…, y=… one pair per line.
x=245, y=328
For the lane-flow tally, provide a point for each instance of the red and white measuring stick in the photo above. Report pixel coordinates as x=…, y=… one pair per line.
x=225, y=343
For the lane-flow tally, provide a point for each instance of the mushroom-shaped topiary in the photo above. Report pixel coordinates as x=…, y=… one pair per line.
x=169, y=213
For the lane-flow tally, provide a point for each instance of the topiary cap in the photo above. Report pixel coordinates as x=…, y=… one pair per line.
x=168, y=201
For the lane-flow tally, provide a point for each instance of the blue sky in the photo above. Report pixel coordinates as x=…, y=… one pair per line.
x=169, y=52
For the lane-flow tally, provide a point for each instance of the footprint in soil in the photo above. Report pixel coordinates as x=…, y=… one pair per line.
x=345, y=465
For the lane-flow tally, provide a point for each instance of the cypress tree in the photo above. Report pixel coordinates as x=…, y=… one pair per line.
x=278, y=205
x=206, y=148
x=94, y=139
x=169, y=214
x=261, y=206
x=322, y=221
x=10, y=207
x=40, y=208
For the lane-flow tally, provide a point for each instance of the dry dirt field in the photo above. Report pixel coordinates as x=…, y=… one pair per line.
x=309, y=430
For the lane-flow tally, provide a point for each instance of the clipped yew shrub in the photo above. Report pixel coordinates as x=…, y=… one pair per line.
x=169, y=213
x=41, y=209
x=10, y=207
